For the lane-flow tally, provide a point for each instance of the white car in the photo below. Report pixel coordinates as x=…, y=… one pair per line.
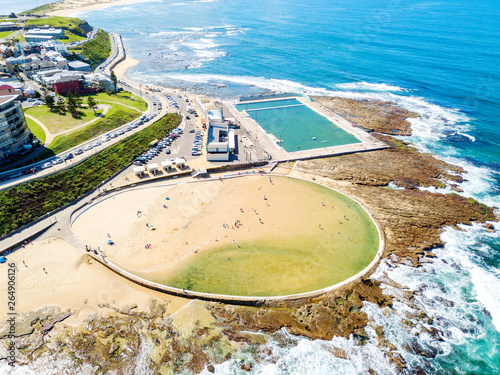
x=87, y=148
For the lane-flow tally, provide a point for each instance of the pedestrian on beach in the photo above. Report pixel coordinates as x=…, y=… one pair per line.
x=44, y=270
x=25, y=264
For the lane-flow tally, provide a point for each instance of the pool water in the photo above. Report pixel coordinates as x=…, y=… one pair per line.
x=292, y=260
x=296, y=126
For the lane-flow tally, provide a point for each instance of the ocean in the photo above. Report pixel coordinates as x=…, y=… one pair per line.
x=440, y=59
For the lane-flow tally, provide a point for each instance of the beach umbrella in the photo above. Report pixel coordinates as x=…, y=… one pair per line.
x=3, y=259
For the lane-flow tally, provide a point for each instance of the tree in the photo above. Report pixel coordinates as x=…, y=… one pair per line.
x=78, y=100
x=92, y=103
x=37, y=94
x=61, y=104
x=113, y=78
x=48, y=100
x=72, y=105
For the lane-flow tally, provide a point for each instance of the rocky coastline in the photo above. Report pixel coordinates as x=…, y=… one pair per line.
x=201, y=334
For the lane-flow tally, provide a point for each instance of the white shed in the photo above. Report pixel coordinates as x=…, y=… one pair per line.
x=139, y=171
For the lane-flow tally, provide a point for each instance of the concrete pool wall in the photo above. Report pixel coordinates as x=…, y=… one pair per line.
x=274, y=301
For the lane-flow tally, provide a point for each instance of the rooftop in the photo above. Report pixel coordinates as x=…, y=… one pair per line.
x=7, y=98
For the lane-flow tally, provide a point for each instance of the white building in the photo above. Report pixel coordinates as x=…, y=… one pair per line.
x=14, y=131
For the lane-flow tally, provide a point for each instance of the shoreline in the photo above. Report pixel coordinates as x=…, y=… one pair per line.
x=69, y=8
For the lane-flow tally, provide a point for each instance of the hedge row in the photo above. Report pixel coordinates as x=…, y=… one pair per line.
x=26, y=202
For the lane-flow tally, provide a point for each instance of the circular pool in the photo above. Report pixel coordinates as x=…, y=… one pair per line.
x=247, y=236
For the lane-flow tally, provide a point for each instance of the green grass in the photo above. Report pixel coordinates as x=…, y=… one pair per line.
x=56, y=122
x=39, y=10
x=67, y=23
x=98, y=49
x=123, y=98
x=65, y=142
x=3, y=34
x=24, y=203
x=36, y=129
x=70, y=37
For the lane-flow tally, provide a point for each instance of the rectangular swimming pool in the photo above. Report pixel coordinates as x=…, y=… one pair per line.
x=298, y=126
x=266, y=104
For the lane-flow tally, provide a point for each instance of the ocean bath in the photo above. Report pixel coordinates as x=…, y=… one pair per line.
x=248, y=236
x=295, y=126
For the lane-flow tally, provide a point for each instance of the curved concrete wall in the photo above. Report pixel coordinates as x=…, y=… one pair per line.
x=286, y=300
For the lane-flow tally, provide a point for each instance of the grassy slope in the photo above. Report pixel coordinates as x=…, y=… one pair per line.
x=36, y=129
x=68, y=23
x=57, y=123
x=98, y=49
x=26, y=202
x=122, y=97
x=3, y=34
x=110, y=122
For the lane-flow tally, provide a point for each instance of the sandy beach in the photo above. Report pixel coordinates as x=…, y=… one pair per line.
x=121, y=68
x=156, y=231
x=68, y=8
x=54, y=272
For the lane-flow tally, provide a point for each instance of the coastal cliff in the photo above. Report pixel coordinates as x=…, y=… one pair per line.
x=388, y=182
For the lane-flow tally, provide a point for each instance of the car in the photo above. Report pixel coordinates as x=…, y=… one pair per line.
x=105, y=138
x=31, y=170
x=138, y=162
x=192, y=131
x=87, y=148
x=195, y=153
x=57, y=161
x=114, y=135
x=96, y=143
x=16, y=175
x=134, y=126
x=120, y=132
x=31, y=99
x=128, y=128
x=47, y=165
x=79, y=151
x=68, y=156
x=172, y=160
x=167, y=151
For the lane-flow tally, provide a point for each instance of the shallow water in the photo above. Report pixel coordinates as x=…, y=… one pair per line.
x=292, y=260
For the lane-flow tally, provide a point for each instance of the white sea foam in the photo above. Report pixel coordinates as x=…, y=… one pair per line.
x=365, y=86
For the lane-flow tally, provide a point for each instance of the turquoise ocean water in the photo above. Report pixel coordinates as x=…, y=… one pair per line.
x=438, y=58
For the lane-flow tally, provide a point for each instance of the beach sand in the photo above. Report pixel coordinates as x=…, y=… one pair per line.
x=54, y=272
x=68, y=8
x=121, y=68
x=206, y=215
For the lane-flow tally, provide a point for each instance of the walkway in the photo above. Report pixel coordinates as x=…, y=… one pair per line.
x=49, y=137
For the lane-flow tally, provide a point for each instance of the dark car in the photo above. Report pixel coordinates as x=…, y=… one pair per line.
x=69, y=156
x=31, y=170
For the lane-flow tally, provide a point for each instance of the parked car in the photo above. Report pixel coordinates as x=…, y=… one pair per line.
x=47, y=165
x=138, y=162
x=120, y=132
x=96, y=143
x=87, y=148
x=167, y=151
x=16, y=175
x=57, y=161
x=192, y=131
x=79, y=151
x=31, y=170
x=68, y=156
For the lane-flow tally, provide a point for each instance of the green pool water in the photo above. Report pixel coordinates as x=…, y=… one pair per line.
x=296, y=125
x=294, y=261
